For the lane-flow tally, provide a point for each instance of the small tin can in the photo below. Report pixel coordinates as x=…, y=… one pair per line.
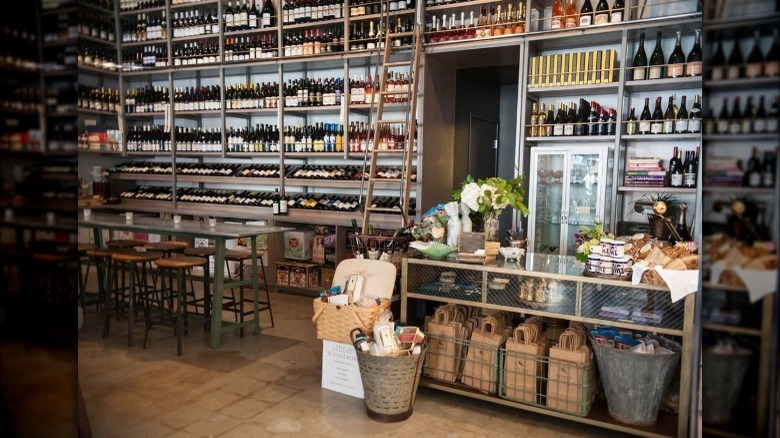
x=617, y=248
x=594, y=263
x=606, y=265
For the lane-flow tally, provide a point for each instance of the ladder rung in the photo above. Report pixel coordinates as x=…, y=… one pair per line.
x=397, y=64
x=392, y=121
x=401, y=34
x=385, y=93
x=384, y=209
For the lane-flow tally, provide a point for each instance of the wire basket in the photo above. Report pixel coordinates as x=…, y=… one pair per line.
x=390, y=384
x=380, y=247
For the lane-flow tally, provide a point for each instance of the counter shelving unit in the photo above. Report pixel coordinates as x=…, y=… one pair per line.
x=579, y=300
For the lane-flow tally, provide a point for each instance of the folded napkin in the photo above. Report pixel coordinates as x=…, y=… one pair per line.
x=680, y=283
x=759, y=282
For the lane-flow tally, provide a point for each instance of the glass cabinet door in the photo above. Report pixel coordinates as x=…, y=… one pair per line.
x=548, y=198
x=584, y=195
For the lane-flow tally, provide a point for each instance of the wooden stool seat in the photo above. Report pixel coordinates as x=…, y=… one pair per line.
x=180, y=262
x=178, y=243
x=202, y=252
x=125, y=243
x=83, y=247
x=136, y=257
x=237, y=255
x=107, y=252
x=165, y=246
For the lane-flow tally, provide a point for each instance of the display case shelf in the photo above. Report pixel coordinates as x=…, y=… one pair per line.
x=664, y=84
x=572, y=90
x=573, y=139
x=676, y=190
x=660, y=137
x=740, y=138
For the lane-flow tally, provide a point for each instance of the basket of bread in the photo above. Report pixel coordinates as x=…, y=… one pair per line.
x=648, y=252
x=723, y=255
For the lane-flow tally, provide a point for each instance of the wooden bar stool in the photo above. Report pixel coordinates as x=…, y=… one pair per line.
x=167, y=248
x=125, y=243
x=179, y=267
x=240, y=256
x=101, y=259
x=84, y=274
x=138, y=264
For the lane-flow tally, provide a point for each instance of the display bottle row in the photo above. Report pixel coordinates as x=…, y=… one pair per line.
x=145, y=57
x=97, y=26
x=133, y=5
x=203, y=98
x=246, y=17
x=144, y=27
x=491, y=21
x=364, y=91
x=97, y=98
x=146, y=99
x=673, y=120
x=750, y=120
x=758, y=172
x=251, y=47
x=320, y=137
x=148, y=138
x=313, y=41
x=368, y=35
x=312, y=93
x=358, y=8
x=566, y=14
x=21, y=98
x=391, y=137
x=659, y=67
x=252, y=96
x=261, y=138
x=310, y=11
x=91, y=55
x=590, y=119
x=198, y=139
x=683, y=173
x=192, y=53
x=191, y=23
x=735, y=66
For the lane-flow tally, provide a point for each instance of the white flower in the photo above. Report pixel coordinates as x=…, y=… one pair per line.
x=470, y=195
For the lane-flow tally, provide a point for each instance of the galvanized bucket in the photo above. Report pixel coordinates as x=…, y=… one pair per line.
x=722, y=375
x=634, y=383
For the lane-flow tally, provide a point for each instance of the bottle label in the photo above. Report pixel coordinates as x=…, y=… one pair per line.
x=768, y=178
x=772, y=68
x=644, y=126
x=668, y=126
x=753, y=70
x=733, y=72
x=674, y=70
x=735, y=127
x=717, y=73
x=586, y=20
x=759, y=125
x=639, y=73
x=557, y=130
x=723, y=126
x=602, y=18
x=681, y=125
x=555, y=23
x=568, y=129
x=747, y=126
x=676, y=180
x=631, y=128
x=689, y=179
x=771, y=125
x=655, y=72
x=694, y=68
x=570, y=21
x=656, y=127
x=754, y=180
x=616, y=17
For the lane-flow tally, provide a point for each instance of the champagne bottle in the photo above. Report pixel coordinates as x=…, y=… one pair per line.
x=602, y=12
x=657, y=60
x=718, y=61
x=586, y=13
x=631, y=124
x=669, y=118
x=640, y=60
x=645, y=118
x=682, y=226
x=617, y=11
x=657, y=123
x=676, y=169
x=693, y=63
x=571, y=18
x=736, y=61
x=681, y=122
x=755, y=62
x=694, y=122
x=676, y=65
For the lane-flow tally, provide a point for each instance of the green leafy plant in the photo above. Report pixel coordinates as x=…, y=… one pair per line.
x=665, y=205
x=588, y=237
x=490, y=196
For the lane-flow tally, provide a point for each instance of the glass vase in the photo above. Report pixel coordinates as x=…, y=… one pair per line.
x=491, y=227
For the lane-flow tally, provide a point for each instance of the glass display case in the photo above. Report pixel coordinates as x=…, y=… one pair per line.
x=569, y=188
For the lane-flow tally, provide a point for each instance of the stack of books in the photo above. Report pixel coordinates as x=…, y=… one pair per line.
x=645, y=172
x=723, y=171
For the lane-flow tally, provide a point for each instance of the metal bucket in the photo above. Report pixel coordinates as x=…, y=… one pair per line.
x=634, y=383
x=722, y=376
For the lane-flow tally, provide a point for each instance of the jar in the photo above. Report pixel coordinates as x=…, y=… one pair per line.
x=617, y=248
x=594, y=263
x=595, y=249
x=605, y=245
x=606, y=265
x=621, y=265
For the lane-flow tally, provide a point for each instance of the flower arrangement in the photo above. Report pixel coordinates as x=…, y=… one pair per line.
x=432, y=226
x=588, y=237
x=490, y=196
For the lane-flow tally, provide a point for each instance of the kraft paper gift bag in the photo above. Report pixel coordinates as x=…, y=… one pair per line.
x=481, y=368
x=523, y=364
x=444, y=346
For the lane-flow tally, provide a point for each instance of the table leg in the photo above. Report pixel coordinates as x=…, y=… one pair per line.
x=219, y=280
x=255, y=288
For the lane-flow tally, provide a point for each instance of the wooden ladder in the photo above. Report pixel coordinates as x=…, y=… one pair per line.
x=409, y=121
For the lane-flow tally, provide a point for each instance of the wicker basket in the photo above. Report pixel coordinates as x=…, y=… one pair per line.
x=390, y=384
x=334, y=322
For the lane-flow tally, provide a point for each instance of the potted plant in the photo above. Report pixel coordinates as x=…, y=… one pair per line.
x=664, y=208
x=489, y=197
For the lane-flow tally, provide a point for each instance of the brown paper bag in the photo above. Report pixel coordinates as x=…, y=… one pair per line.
x=571, y=376
x=443, y=346
x=522, y=364
x=481, y=368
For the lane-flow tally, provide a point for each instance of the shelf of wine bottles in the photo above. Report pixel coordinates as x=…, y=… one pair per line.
x=100, y=57
x=195, y=22
x=672, y=123
x=148, y=138
x=302, y=93
x=146, y=99
x=260, y=138
x=148, y=56
x=198, y=139
x=97, y=26
x=648, y=171
x=202, y=98
x=251, y=47
x=320, y=137
x=196, y=53
x=251, y=96
x=307, y=11
x=20, y=99
x=245, y=16
x=591, y=119
x=465, y=21
x=756, y=66
x=97, y=98
x=750, y=119
x=143, y=27
x=659, y=67
x=309, y=42
x=140, y=5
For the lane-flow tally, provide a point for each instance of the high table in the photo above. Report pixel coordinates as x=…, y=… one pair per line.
x=220, y=233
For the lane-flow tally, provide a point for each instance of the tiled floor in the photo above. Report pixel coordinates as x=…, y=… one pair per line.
x=264, y=385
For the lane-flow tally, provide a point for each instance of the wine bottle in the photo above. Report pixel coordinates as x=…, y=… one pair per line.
x=682, y=226
x=640, y=60
x=631, y=124
x=550, y=121
x=772, y=61
x=676, y=65
x=657, y=123
x=693, y=63
x=669, y=118
x=542, y=121
x=657, y=60
x=533, y=128
x=275, y=206
x=581, y=122
x=676, y=169
x=586, y=13
x=645, y=118
x=768, y=169
x=694, y=122
x=681, y=122
x=736, y=61
x=593, y=119
x=602, y=12
x=689, y=170
x=617, y=11
x=735, y=121
x=560, y=117
x=752, y=176
x=749, y=116
x=774, y=115
x=571, y=18
x=268, y=15
x=755, y=62
x=723, y=118
x=759, y=121
x=556, y=21
x=718, y=61
x=283, y=203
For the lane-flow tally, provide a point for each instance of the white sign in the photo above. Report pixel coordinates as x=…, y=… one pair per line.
x=340, y=371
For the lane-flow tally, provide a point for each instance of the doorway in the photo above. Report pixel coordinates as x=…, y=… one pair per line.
x=483, y=147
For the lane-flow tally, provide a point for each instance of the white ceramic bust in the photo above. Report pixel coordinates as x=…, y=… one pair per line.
x=465, y=220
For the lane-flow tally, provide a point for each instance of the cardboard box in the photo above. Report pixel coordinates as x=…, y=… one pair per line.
x=298, y=274
x=282, y=274
x=297, y=244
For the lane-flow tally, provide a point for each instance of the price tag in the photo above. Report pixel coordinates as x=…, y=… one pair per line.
x=584, y=209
